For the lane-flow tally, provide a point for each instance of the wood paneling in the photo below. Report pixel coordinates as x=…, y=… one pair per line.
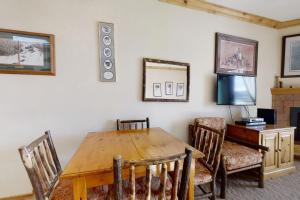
x=233, y=13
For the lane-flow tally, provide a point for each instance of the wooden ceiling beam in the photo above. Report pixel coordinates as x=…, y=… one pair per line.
x=233, y=13
x=290, y=23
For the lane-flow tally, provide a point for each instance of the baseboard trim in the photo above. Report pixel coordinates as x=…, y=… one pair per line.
x=18, y=197
x=279, y=172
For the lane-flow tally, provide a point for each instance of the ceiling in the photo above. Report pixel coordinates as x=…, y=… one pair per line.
x=281, y=10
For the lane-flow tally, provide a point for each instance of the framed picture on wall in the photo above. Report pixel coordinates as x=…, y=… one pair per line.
x=169, y=88
x=26, y=53
x=290, y=56
x=107, y=52
x=165, y=81
x=157, y=90
x=235, y=55
x=180, y=89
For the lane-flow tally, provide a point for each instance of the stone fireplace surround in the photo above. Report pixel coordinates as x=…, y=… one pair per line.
x=283, y=104
x=283, y=99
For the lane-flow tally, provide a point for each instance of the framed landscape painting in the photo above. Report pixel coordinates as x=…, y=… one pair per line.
x=290, y=56
x=26, y=53
x=165, y=81
x=235, y=55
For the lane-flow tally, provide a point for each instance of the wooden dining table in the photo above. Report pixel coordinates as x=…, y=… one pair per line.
x=92, y=164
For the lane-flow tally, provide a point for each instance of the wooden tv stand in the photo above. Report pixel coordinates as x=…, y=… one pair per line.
x=279, y=139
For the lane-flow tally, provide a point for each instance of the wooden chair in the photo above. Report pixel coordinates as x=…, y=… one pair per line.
x=209, y=141
x=43, y=168
x=237, y=155
x=177, y=192
x=133, y=124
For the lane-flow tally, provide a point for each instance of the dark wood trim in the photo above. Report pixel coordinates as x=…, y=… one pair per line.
x=187, y=65
x=283, y=56
x=51, y=37
x=133, y=124
x=118, y=177
x=222, y=36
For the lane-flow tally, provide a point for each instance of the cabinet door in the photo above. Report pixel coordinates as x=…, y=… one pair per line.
x=271, y=160
x=286, y=148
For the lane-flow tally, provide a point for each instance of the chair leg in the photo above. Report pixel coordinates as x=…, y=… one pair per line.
x=213, y=189
x=223, y=179
x=261, y=177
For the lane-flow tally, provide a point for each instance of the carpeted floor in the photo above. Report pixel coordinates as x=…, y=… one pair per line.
x=283, y=188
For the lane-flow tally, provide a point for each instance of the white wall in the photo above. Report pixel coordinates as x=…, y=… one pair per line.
x=287, y=82
x=75, y=102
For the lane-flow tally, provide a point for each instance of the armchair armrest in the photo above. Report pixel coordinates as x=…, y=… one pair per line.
x=248, y=144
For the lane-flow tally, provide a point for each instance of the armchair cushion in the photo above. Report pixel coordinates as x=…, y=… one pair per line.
x=237, y=156
x=202, y=174
x=217, y=123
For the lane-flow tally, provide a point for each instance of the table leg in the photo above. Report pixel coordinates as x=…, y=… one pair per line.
x=79, y=188
x=191, y=181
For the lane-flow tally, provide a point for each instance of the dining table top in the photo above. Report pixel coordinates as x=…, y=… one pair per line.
x=96, y=152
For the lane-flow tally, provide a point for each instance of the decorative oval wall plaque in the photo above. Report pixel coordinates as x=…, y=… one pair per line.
x=107, y=40
x=107, y=64
x=108, y=75
x=107, y=52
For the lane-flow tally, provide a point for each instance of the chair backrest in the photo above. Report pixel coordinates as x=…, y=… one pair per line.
x=209, y=141
x=218, y=123
x=133, y=124
x=42, y=165
x=175, y=194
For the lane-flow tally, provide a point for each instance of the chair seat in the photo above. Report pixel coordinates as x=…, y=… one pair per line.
x=64, y=191
x=202, y=174
x=237, y=156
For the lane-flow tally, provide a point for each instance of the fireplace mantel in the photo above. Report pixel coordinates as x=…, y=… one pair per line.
x=282, y=91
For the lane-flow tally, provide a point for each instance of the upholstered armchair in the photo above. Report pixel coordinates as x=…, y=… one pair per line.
x=236, y=155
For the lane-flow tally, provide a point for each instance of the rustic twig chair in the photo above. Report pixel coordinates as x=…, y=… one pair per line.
x=236, y=155
x=177, y=192
x=43, y=168
x=209, y=141
x=133, y=124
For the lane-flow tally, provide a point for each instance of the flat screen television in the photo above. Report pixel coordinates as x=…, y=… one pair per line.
x=236, y=90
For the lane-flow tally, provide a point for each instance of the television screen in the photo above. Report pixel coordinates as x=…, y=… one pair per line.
x=236, y=90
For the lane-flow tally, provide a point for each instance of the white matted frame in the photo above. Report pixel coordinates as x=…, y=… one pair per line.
x=290, y=56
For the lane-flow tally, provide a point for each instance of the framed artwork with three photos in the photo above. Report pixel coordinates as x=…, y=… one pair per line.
x=290, y=66
x=165, y=81
x=26, y=53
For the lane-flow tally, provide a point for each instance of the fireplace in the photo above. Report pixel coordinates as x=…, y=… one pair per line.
x=286, y=101
x=295, y=121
